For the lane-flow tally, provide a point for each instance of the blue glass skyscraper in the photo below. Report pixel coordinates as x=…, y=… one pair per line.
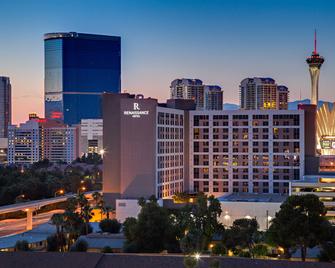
x=78, y=69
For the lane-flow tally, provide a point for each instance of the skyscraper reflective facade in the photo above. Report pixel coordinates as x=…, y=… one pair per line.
x=78, y=69
x=5, y=106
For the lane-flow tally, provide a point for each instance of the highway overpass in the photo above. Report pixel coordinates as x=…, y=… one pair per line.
x=30, y=206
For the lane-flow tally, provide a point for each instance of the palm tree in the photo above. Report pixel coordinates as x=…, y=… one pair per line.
x=58, y=220
x=107, y=209
x=82, y=202
x=97, y=198
x=101, y=207
x=87, y=215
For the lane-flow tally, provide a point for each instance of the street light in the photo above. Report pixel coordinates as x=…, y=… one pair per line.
x=61, y=192
x=81, y=189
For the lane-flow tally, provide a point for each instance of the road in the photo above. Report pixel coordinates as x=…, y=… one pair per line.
x=15, y=226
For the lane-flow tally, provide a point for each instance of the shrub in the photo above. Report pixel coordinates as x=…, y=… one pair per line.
x=107, y=249
x=80, y=246
x=259, y=250
x=52, y=243
x=214, y=263
x=219, y=249
x=190, y=262
x=244, y=254
x=110, y=226
x=21, y=245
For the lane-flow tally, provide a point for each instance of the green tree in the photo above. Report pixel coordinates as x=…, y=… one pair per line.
x=300, y=223
x=198, y=221
x=243, y=234
x=110, y=226
x=150, y=232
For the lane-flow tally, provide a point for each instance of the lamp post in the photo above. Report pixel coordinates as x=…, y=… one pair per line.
x=83, y=188
x=61, y=192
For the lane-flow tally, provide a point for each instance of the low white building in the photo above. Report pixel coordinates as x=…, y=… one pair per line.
x=262, y=207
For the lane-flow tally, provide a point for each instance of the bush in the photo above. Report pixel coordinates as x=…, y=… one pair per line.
x=327, y=253
x=244, y=254
x=110, y=226
x=219, y=249
x=259, y=250
x=214, y=263
x=80, y=246
x=52, y=243
x=190, y=262
x=21, y=245
x=107, y=249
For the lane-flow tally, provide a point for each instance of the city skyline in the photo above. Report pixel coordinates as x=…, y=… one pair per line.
x=163, y=41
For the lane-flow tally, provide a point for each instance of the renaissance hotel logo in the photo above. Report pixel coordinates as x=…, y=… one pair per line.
x=136, y=112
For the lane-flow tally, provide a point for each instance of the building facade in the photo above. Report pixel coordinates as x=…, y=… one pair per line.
x=24, y=143
x=90, y=136
x=78, y=69
x=245, y=151
x=162, y=149
x=5, y=106
x=260, y=93
x=39, y=139
x=206, y=97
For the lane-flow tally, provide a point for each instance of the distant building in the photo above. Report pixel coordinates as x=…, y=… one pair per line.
x=3, y=150
x=78, y=69
x=90, y=136
x=57, y=141
x=213, y=98
x=39, y=139
x=206, y=97
x=260, y=93
x=283, y=96
x=5, y=106
x=24, y=143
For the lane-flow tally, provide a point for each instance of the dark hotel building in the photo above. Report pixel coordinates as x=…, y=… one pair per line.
x=78, y=69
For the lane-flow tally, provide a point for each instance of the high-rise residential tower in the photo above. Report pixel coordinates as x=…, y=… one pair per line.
x=78, y=69
x=5, y=106
x=283, y=95
x=261, y=93
x=315, y=62
x=206, y=97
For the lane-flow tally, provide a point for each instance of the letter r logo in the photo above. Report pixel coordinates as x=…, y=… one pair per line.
x=136, y=106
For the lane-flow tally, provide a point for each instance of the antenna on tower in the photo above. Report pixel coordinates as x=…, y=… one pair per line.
x=315, y=43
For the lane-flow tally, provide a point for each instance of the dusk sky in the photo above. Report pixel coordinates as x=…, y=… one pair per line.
x=220, y=42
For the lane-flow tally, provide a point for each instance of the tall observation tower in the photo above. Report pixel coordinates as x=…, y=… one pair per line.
x=315, y=62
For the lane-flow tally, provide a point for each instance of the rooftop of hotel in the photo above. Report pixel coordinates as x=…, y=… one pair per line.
x=253, y=197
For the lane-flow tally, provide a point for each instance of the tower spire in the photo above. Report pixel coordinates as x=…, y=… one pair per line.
x=315, y=52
